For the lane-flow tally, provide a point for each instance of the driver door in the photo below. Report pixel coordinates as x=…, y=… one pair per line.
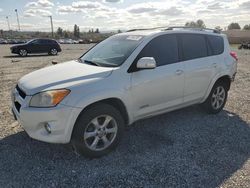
x=155, y=90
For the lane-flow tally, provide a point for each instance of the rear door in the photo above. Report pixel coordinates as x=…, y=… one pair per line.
x=45, y=46
x=200, y=67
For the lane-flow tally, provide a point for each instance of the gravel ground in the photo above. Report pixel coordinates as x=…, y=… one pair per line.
x=184, y=148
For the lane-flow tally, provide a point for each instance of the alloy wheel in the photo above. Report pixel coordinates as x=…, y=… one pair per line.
x=23, y=52
x=100, y=133
x=53, y=51
x=218, y=97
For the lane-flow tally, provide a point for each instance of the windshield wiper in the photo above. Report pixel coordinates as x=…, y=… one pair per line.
x=91, y=62
x=106, y=64
x=110, y=64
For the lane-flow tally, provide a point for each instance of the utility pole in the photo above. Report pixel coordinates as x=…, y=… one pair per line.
x=17, y=20
x=52, y=30
x=7, y=18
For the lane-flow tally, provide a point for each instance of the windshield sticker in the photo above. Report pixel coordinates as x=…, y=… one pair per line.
x=134, y=37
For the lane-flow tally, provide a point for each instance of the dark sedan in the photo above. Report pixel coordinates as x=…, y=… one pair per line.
x=37, y=46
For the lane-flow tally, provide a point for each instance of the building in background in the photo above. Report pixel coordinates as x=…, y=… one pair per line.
x=236, y=36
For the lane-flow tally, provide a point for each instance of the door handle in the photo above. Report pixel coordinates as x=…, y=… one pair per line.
x=178, y=72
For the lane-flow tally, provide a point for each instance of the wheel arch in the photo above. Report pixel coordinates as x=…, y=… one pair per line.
x=113, y=101
x=226, y=79
x=23, y=48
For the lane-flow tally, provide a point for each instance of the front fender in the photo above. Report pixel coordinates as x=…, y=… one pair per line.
x=92, y=97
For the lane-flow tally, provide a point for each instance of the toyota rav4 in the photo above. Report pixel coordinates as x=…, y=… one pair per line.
x=127, y=77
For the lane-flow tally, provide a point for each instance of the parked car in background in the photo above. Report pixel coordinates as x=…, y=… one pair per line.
x=85, y=41
x=127, y=77
x=68, y=41
x=3, y=41
x=61, y=41
x=12, y=41
x=244, y=45
x=37, y=46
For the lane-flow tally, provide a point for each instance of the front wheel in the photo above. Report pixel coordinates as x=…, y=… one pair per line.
x=97, y=131
x=216, y=99
x=23, y=52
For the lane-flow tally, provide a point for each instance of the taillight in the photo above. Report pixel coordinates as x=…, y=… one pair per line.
x=234, y=55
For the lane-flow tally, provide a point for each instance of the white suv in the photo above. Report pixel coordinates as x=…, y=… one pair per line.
x=127, y=77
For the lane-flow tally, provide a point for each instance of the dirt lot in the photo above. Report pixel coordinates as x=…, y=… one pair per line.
x=184, y=148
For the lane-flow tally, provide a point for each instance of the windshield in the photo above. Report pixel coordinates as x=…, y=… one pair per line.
x=113, y=51
x=30, y=41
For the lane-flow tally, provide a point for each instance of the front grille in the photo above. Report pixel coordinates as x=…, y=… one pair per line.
x=20, y=92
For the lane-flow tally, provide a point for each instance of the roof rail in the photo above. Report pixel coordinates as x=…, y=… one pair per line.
x=177, y=27
x=194, y=28
x=145, y=29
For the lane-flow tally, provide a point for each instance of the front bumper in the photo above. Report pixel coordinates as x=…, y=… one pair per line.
x=14, y=50
x=61, y=120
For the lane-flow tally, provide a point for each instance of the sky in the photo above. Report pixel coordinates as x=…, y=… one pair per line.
x=111, y=15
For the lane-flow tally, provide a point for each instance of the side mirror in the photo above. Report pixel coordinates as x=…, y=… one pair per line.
x=146, y=63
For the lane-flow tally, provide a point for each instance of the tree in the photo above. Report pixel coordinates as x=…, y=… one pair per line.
x=233, y=26
x=198, y=24
x=59, y=31
x=97, y=31
x=76, y=31
x=119, y=31
x=1, y=31
x=66, y=34
x=218, y=28
x=246, y=27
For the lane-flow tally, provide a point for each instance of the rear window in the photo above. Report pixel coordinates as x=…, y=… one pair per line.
x=194, y=46
x=216, y=44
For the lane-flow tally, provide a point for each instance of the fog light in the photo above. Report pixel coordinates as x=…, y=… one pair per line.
x=47, y=128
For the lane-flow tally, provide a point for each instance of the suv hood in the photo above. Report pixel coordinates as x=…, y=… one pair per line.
x=62, y=75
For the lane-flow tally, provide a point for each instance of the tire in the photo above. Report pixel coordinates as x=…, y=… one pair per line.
x=216, y=99
x=23, y=52
x=90, y=137
x=53, y=51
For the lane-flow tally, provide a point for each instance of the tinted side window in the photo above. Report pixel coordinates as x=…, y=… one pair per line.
x=216, y=43
x=193, y=46
x=50, y=42
x=35, y=42
x=47, y=41
x=163, y=48
x=42, y=41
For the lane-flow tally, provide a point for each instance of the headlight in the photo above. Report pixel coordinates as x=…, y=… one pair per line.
x=48, y=98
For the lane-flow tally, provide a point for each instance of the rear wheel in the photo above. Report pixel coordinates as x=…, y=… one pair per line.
x=216, y=99
x=23, y=52
x=98, y=130
x=53, y=51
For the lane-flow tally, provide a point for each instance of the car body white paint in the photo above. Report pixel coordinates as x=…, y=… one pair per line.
x=144, y=93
